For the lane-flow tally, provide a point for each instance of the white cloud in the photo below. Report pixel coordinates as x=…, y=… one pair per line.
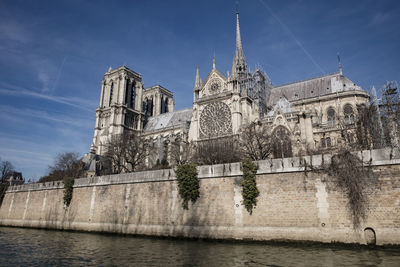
x=380, y=18
x=13, y=31
x=70, y=101
x=44, y=79
x=24, y=114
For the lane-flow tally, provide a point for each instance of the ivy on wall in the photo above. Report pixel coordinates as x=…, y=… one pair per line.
x=188, y=184
x=68, y=190
x=249, y=185
x=354, y=179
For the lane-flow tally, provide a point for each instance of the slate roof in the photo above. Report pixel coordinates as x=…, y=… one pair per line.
x=313, y=87
x=168, y=120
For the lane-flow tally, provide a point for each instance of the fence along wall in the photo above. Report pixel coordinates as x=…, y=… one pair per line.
x=291, y=205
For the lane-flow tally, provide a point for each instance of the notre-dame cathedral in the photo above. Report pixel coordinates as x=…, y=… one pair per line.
x=305, y=112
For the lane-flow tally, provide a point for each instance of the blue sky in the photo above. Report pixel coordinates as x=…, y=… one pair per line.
x=53, y=55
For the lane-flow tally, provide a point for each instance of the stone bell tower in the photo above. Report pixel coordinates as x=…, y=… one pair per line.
x=120, y=107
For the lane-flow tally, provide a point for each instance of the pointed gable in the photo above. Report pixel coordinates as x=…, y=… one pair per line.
x=214, y=83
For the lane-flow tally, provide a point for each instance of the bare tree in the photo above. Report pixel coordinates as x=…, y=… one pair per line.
x=378, y=124
x=281, y=143
x=367, y=129
x=390, y=111
x=65, y=161
x=181, y=152
x=66, y=165
x=115, y=153
x=217, y=151
x=256, y=142
x=103, y=166
x=127, y=152
x=137, y=149
x=5, y=168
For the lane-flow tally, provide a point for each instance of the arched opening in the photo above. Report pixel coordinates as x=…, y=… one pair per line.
x=166, y=105
x=348, y=114
x=126, y=92
x=370, y=236
x=133, y=92
x=111, y=94
x=328, y=142
x=148, y=107
x=323, y=143
x=331, y=116
x=282, y=147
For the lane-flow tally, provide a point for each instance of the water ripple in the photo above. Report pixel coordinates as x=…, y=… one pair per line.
x=31, y=247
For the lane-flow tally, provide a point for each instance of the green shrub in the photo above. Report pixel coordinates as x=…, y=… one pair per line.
x=188, y=183
x=249, y=185
x=68, y=189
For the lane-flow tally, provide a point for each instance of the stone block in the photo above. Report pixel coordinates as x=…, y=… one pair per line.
x=316, y=160
x=217, y=170
x=365, y=155
x=235, y=169
x=264, y=166
x=380, y=154
x=204, y=171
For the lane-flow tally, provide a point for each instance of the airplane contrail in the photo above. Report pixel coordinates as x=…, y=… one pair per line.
x=290, y=33
x=58, y=74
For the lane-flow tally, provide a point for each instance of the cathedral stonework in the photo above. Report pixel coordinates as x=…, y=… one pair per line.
x=215, y=120
x=302, y=115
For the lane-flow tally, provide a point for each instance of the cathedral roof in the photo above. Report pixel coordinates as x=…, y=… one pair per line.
x=314, y=87
x=168, y=120
x=282, y=105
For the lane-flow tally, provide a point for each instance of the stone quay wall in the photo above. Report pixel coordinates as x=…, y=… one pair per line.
x=291, y=205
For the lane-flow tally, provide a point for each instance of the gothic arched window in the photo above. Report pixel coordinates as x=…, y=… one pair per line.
x=166, y=105
x=348, y=114
x=149, y=107
x=328, y=142
x=133, y=92
x=282, y=147
x=331, y=115
x=162, y=105
x=323, y=144
x=111, y=94
x=127, y=92
x=165, y=152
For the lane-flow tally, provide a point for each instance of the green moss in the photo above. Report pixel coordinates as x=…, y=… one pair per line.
x=188, y=184
x=68, y=190
x=249, y=185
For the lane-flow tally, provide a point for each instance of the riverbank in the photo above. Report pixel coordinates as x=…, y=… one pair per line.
x=43, y=247
x=291, y=205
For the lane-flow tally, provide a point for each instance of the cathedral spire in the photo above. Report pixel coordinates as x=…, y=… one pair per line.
x=234, y=66
x=240, y=60
x=340, y=64
x=197, y=83
x=214, y=62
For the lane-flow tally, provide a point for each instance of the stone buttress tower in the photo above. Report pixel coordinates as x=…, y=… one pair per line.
x=120, y=107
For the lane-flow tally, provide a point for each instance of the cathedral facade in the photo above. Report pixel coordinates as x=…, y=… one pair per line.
x=308, y=113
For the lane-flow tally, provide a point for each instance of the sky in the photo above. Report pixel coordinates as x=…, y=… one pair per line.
x=53, y=55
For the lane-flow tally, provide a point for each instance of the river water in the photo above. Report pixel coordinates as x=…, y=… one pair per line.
x=31, y=247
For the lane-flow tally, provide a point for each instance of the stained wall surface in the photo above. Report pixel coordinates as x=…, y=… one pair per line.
x=292, y=205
